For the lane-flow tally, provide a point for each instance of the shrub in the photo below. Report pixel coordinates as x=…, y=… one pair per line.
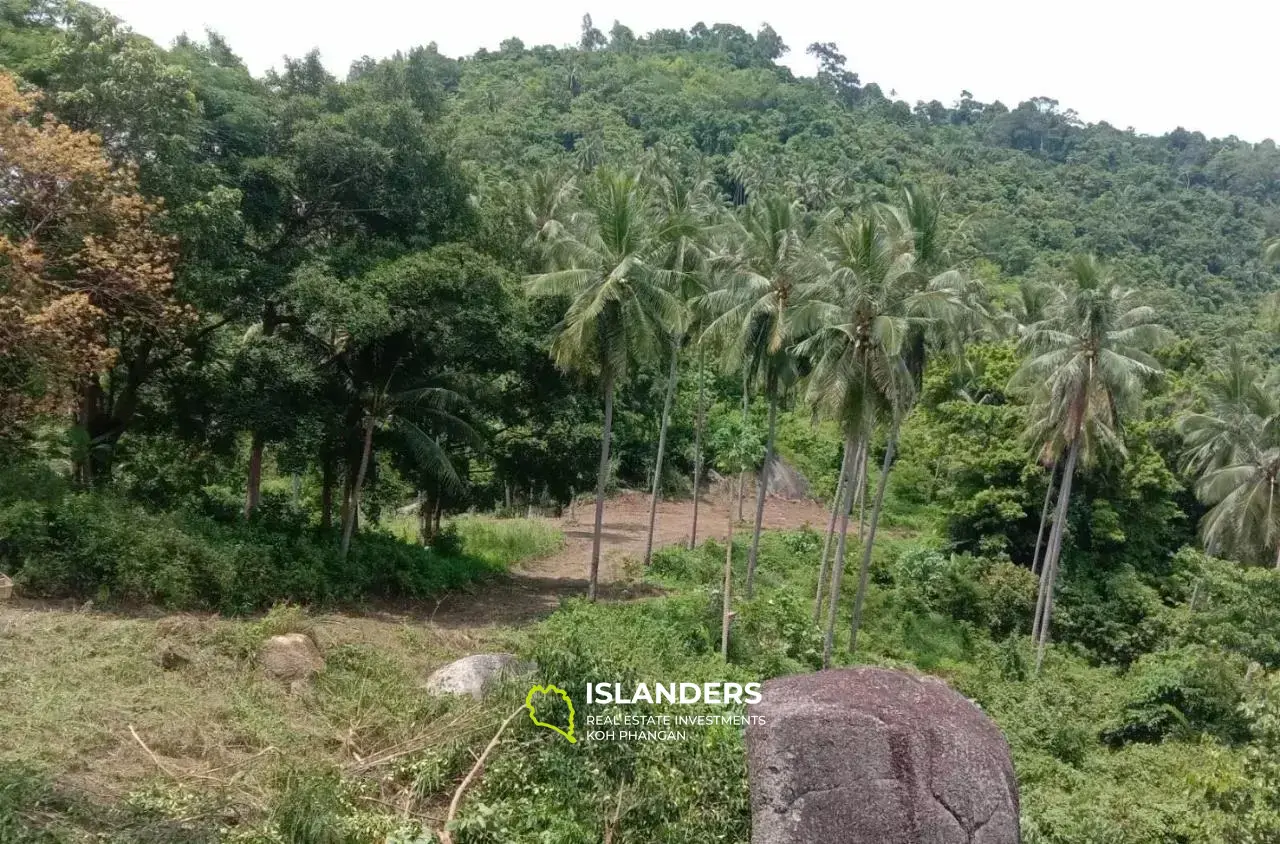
x=1181, y=691
x=1008, y=597
x=99, y=545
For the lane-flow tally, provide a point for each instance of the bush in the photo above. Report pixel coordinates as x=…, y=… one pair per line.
x=703, y=565
x=672, y=791
x=1008, y=597
x=1182, y=691
x=99, y=545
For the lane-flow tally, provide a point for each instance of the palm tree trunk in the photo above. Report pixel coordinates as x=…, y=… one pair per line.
x=344, y=511
x=253, y=491
x=697, y=451
x=1044, y=520
x=728, y=585
x=837, y=569
x=662, y=449
x=742, y=477
x=841, y=480
x=349, y=527
x=1054, y=551
x=602, y=479
x=762, y=485
x=869, y=543
x=326, y=495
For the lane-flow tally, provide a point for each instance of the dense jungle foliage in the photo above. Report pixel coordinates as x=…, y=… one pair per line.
x=246, y=323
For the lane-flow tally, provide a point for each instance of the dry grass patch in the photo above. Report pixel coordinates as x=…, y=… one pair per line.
x=110, y=707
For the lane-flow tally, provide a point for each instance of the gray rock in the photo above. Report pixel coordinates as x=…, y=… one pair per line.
x=783, y=480
x=292, y=658
x=474, y=675
x=871, y=756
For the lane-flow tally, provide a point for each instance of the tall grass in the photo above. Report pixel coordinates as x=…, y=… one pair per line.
x=502, y=543
x=505, y=542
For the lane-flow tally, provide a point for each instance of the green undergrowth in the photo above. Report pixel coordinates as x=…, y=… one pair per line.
x=1160, y=751
x=99, y=545
x=1178, y=746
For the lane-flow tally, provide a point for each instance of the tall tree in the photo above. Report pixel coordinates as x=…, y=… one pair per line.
x=86, y=268
x=873, y=300
x=683, y=208
x=1086, y=364
x=762, y=312
x=608, y=264
x=1234, y=449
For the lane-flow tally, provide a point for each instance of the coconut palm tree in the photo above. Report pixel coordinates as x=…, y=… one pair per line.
x=685, y=233
x=1234, y=449
x=1086, y=363
x=871, y=299
x=607, y=262
x=546, y=200
x=761, y=313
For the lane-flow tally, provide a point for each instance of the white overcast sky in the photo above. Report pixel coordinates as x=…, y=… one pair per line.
x=1149, y=64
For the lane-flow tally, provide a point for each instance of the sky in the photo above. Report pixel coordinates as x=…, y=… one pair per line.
x=1152, y=66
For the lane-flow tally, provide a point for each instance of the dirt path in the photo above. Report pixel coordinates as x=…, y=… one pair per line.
x=536, y=588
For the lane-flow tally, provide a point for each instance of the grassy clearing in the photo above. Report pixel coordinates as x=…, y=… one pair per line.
x=233, y=750
x=362, y=754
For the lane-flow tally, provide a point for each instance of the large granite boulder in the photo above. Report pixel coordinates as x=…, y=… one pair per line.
x=871, y=756
x=474, y=675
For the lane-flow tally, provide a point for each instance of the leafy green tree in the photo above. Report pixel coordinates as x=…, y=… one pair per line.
x=1086, y=364
x=608, y=263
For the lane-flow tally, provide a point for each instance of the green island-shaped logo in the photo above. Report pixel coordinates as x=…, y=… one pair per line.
x=533, y=715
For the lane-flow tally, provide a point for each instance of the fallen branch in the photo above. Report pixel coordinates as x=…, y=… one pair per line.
x=445, y=837
x=453, y=728
x=244, y=761
x=154, y=758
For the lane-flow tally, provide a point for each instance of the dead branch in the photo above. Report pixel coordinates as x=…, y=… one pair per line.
x=445, y=837
x=154, y=758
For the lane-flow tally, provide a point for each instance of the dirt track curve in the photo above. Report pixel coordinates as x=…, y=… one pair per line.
x=536, y=588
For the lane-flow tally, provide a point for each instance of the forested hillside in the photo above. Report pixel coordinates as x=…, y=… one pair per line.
x=261, y=339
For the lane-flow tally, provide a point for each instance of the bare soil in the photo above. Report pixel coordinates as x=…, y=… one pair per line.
x=536, y=588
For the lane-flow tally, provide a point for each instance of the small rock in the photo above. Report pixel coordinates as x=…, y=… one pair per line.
x=474, y=675
x=291, y=658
